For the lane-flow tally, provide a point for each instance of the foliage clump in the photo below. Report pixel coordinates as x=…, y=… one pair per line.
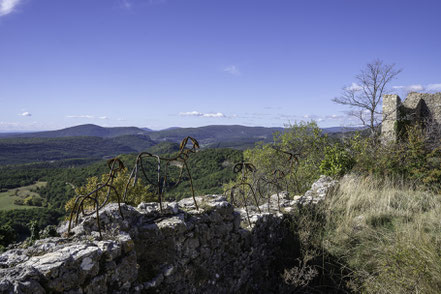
x=306, y=141
x=382, y=224
x=381, y=228
x=413, y=159
x=136, y=193
x=338, y=160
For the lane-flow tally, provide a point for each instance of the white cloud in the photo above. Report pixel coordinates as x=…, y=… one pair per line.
x=87, y=116
x=126, y=4
x=191, y=113
x=132, y=4
x=433, y=87
x=217, y=114
x=329, y=118
x=336, y=117
x=419, y=88
x=25, y=114
x=354, y=87
x=200, y=114
x=80, y=116
x=311, y=116
x=28, y=126
x=8, y=6
x=3, y=123
x=410, y=88
x=233, y=70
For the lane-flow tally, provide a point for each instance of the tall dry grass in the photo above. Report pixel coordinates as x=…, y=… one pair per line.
x=387, y=233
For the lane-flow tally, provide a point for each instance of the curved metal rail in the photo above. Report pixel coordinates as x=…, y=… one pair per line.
x=245, y=168
x=161, y=182
x=115, y=165
x=277, y=179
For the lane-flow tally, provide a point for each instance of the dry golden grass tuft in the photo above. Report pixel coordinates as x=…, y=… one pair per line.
x=387, y=233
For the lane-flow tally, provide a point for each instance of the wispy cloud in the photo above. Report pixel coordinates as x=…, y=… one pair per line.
x=200, y=114
x=87, y=116
x=8, y=6
x=433, y=87
x=314, y=117
x=131, y=4
x=410, y=88
x=419, y=88
x=337, y=117
x=27, y=126
x=7, y=124
x=354, y=87
x=25, y=114
x=233, y=70
x=125, y=4
x=329, y=118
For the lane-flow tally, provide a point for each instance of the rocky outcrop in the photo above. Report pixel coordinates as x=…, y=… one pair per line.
x=181, y=250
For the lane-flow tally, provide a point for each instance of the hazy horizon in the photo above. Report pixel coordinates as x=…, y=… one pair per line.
x=157, y=130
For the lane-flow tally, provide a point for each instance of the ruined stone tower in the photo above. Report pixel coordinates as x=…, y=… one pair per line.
x=417, y=107
x=391, y=104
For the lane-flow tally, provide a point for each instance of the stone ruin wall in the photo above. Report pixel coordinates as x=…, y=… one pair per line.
x=390, y=117
x=183, y=250
x=180, y=252
x=421, y=106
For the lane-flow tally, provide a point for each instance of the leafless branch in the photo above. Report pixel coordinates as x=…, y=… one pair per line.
x=365, y=97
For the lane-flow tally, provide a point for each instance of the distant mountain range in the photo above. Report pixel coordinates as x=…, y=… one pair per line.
x=92, y=141
x=206, y=135
x=88, y=130
x=173, y=133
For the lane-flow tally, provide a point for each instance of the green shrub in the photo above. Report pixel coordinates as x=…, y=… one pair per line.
x=413, y=159
x=304, y=139
x=7, y=235
x=19, y=202
x=337, y=161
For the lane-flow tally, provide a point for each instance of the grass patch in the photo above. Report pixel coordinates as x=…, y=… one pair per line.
x=388, y=233
x=8, y=198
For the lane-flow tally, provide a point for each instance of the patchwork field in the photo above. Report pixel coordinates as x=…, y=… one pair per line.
x=9, y=198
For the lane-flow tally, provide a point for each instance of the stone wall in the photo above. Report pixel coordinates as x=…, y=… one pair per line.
x=432, y=101
x=181, y=250
x=390, y=117
x=417, y=107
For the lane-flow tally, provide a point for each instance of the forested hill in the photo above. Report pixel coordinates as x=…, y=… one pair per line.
x=217, y=133
x=27, y=150
x=88, y=130
x=214, y=133
x=95, y=142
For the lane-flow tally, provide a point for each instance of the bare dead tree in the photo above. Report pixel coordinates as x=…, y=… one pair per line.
x=364, y=97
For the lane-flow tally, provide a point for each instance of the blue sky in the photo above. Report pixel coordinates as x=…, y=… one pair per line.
x=188, y=63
